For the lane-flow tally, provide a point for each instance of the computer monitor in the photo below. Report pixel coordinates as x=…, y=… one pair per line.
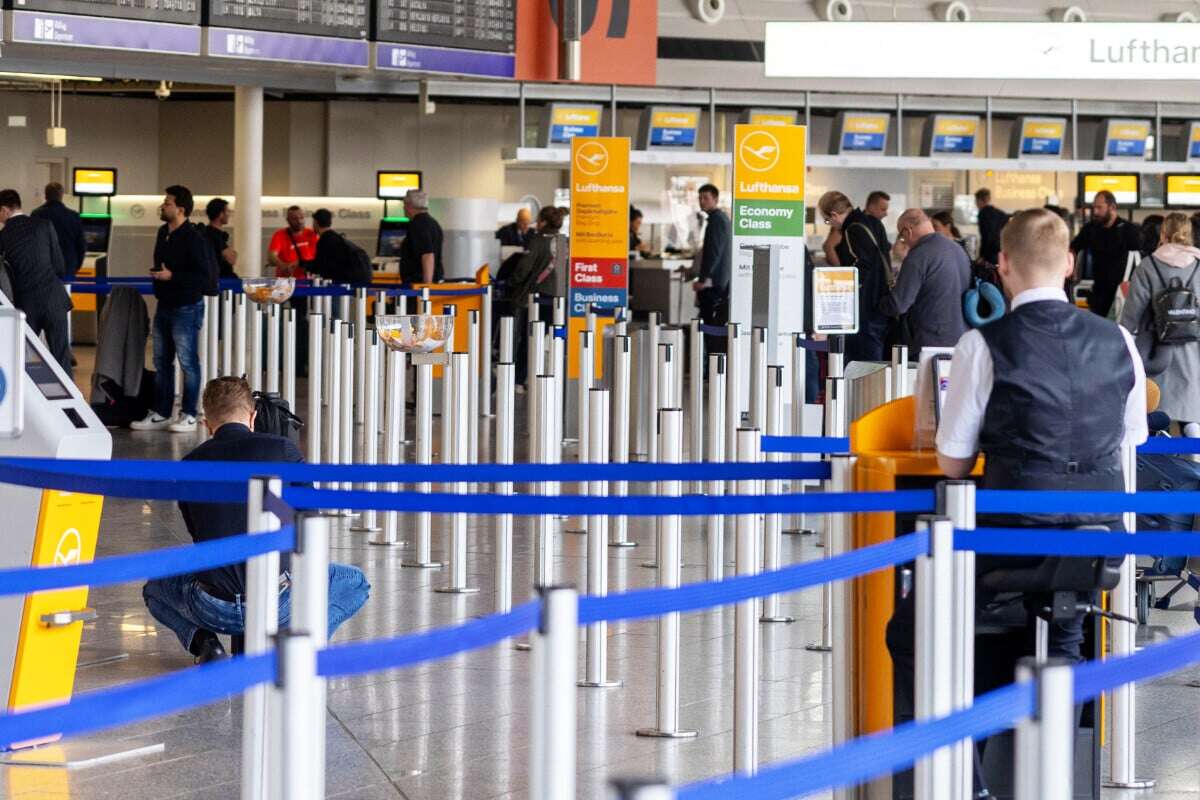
x=391, y=236
x=1126, y=187
x=1181, y=190
x=96, y=232
x=94, y=181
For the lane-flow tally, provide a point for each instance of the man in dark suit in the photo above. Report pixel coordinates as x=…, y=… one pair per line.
x=198, y=607
x=716, y=267
x=35, y=263
x=67, y=224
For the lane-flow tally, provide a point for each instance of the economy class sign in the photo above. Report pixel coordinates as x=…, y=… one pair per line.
x=768, y=178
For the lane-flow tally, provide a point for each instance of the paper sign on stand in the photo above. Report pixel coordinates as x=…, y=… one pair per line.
x=835, y=300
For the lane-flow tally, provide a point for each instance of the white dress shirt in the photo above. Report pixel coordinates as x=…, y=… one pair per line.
x=972, y=377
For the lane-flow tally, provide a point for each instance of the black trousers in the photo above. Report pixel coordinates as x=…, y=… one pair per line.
x=53, y=323
x=714, y=310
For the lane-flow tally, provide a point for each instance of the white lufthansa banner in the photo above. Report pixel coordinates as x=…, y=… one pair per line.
x=1050, y=50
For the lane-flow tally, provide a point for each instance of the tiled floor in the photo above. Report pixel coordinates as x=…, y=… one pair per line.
x=458, y=728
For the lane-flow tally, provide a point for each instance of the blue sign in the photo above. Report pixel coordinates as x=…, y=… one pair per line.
x=1195, y=151
x=580, y=300
x=561, y=134
x=953, y=144
x=1127, y=147
x=108, y=33
x=445, y=59
x=1039, y=146
x=291, y=47
x=673, y=137
x=870, y=142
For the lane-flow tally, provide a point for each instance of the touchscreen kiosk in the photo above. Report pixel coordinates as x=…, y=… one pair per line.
x=391, y=185
x=96, y=230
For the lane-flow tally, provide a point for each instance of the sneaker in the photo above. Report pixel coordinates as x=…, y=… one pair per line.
x=185, y=423
x=151, y=422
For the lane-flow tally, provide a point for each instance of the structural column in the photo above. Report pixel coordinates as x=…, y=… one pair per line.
x=247, y=178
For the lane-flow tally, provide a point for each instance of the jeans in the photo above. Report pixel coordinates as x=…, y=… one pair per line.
x=177, y=332
x=179, y=603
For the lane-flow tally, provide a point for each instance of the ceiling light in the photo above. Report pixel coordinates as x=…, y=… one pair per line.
x=34, y=76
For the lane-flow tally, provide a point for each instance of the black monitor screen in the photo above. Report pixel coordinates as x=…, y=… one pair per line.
x=43, y=375
x=390, y=240
x=95, y=232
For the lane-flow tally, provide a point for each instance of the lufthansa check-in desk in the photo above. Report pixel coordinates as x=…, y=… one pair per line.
x=882, y=441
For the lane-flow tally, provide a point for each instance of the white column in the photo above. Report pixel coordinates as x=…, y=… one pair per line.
x=247, y=178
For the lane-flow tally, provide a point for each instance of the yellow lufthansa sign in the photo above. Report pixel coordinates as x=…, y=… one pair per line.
x=865, y=123
x=599, y=275
x=575, y=116
x=772, y=117
x=768, y=180
x=1048, y=130
x=675, y=119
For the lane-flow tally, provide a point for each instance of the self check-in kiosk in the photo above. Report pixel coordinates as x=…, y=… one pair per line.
x=94, y=188
x=391, y=186
x=40, y=633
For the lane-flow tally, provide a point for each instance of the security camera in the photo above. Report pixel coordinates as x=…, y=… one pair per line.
x=163, y=91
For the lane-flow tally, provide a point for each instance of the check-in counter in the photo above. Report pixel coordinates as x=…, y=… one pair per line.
x=655, y=284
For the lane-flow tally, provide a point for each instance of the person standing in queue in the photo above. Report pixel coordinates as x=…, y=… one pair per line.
x=637, y=247
x=182, y=262
x=876, y=208
x=198, y=606
x=68, y=225
x=421, y=251
x=859, y=247
x=518, y=232
x=218, y=212
x=991, y=222
x=533, y=273
x=716, y=267
x=1107, y=240
x=37, y=269
x=928, y=292
x=292, y=247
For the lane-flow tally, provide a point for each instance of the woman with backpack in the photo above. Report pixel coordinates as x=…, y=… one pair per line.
x=533, y=273
x=1163, y=312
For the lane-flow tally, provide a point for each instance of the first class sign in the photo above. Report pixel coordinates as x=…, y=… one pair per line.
x=599, y=263
x=1031, y=50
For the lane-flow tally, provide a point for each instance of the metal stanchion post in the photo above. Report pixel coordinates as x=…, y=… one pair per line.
x=1045, y=744
x=212, y=321
x=583, y=385
x=459, y=423
x=423, y=558
x=535, y=366
x=653, y=401
x=934, y=646
x=833, y=522
x=670, y=435
x=799, y=393
x=596, y=656
x=560, y=312
x=714, y=525
x=758, y=378
x=310, y=613
x=641, y=789
x=296, y=684
x=773, y=524
x=733, y=402
x=360, y=370
x=239, y=335
x=506, y=373
x=665, y=369
x=344, y=303
x=484, y=371
x=506, y=340
x=900, y=386
x=333, y=435
x=696, y=398
x=745, y=653
x=255, y=333
x=393, y=437
x=620, y=431
x=558, y=368
x=447, y=442
x=316, y=324
x=475, y=344
x=548, y=449
x=260, y=764
x=273, y=320
x=552, y=696
x=202, y=349
x=840, y=614
x=227, y=332
x=368, y=521
x=289, y=358
x=956, y=500
x=346, y=437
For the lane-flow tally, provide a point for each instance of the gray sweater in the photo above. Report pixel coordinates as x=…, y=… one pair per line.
x=929, y=289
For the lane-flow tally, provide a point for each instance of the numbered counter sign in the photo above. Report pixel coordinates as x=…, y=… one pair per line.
x=835, y=300
x=12, y=370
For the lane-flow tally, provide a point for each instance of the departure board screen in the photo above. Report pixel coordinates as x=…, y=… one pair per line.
x=182, y=11
x=345, y=18
x=466, y=24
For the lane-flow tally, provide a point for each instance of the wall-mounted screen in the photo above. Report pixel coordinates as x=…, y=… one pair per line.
x=565, y=121
x=1038, y=137
x=1125, y=139
x=394, y=184
x=1126, y=188
x=950, y=135
x=668, y=128
x=93, y=181
x=772, y=116
x=861, y=132
x=1181, y=191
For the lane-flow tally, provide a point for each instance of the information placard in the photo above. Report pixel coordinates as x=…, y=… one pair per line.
x=599, y=249
x=668, y=127
x=350, y=19
x=186, y=12
x=565, y=121
x=835, y=300
x=772, y=116
x=488, y=25
x=1193, y=151
x=105, y=33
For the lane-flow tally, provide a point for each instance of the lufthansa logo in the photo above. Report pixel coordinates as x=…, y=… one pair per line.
x=69, y=548
x=759, y=151
x=591, y=158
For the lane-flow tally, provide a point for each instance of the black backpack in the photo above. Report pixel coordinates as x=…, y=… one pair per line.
x=1176, y=309
x=212, y=270
x=358, y=268
x=275, y=417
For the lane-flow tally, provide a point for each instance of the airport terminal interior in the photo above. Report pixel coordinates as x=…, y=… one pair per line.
x=614, y=262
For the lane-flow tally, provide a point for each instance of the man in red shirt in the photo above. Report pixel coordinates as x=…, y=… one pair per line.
x=293, y=247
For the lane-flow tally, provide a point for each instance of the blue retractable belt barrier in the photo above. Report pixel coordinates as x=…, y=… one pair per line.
x=145, y=566
x=277, y=506
x=1093, y=678
x=714, y=330
x=919, y=500
x=1167, y=445
x=417, y=648
x=59, y=473
x=1047, y=542
x=109, y=708
x=805, y=444
x=149, y=488
x=994, y=501
x=641, y=603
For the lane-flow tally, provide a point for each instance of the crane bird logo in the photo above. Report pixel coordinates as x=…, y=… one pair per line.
x=591, y=158
x=759, y=151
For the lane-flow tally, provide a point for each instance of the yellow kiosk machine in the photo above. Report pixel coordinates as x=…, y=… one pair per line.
x=42, y=414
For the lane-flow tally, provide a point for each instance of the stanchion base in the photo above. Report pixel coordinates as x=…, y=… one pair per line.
x=360, y=529
x=423, y=564
x=776, y=619
x=380, y=542
x=800, y=531
x=655, y=733
x=817, y=647
x=575, y=531
x=345, y=512
x=1134, y=784
x=524, y=647
x=650, y=564
x=457, y=590
x=600, y=684
x=622, y=544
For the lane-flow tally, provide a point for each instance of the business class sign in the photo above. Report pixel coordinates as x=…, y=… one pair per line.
x=1047, y=50
x=599, y=223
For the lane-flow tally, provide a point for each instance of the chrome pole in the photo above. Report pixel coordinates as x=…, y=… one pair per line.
x=597, y=537
x=475, y=345
x=1045, y=745
x=227, y=333
x=653, y=401
x=714, y=527
x=548, y=451
x=758, y=378
x=333, y=452
x=665, y=370
x=733, y=403
x=506, y=340
x=933, y=774
x=273, y=324
x=799, y=393
x=956, y=499
x=484, y=401
x=506, y=373
x=696, y=398
x=535, y=366
x=316, y=325
x=256, y=347
x=289, y=358
x=360, y=370
x=239, y=336
x=670, y=435
x=368, y=521
x=773, y=527
x=393, y=438
x=346, y=437
x=620, y=431
x=260, y=708
x=745, y=637
x=310, y=613
x=552, y=696
x=459, y=386
x=423, y=558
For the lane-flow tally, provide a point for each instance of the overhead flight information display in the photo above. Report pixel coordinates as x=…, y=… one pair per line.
x=463, y=24
x=186, y=12
x=345, y=18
